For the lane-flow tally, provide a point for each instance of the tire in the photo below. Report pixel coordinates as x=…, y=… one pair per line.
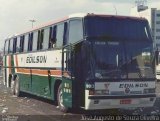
x=13, y=86
x=60, y=99
x=17, y=87
x=9, y=80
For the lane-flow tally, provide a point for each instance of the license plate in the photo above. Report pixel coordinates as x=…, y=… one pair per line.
x=126, y=101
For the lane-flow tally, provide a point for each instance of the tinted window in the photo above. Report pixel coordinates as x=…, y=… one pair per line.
x=30, y=43
x=65, y=33
x=14, y=44
x=35, y=38
x=26, y=38
x=46, y=38
x=59, y=36
x=6, y=47
x=158, y=15
x=75, y=31
x=18, y=45
x=22, y=43
x=40, y=39
x=11, y=46
x=52, y=36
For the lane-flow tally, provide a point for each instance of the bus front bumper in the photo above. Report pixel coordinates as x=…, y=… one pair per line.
x=113, y=102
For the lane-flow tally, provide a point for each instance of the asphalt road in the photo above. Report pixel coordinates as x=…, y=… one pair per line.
x=32, y=108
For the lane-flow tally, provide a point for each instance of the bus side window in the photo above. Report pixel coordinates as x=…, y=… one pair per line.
x=18, y=45
x=6, y=47
x=65, y=35
x=46, y=38
x=77, y=35
x=40, y=39
x=59, y=35
x=22, y=43
x=11, y=46
x=30, y=41
x=52, y=36
x=35, y=39
x=14, y=44
x=26, y=42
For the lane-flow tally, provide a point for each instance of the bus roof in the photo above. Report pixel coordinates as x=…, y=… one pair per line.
x=77, y=15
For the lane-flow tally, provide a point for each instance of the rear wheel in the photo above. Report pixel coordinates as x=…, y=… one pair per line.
x=13, y=86
x=60, y=99
x=17, y=87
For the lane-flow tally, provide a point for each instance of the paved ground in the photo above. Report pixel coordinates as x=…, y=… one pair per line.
x=31, y=108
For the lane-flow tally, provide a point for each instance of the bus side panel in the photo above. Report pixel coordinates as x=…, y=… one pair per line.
x=34, y=78
x=25, y=82
x=67, y=92
x=40, y=86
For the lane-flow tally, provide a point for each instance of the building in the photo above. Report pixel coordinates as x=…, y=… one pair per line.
x=153, y=16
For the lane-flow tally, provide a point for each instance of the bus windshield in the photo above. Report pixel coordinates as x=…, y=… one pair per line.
x=119, y=48
x=116, y=59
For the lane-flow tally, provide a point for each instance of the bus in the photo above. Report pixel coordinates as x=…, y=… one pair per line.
x=87, y=61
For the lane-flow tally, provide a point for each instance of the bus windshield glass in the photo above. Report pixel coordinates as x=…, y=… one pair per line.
x=108, y=59
x=123, y=52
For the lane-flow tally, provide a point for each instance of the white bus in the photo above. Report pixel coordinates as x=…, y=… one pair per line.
x=85, y=61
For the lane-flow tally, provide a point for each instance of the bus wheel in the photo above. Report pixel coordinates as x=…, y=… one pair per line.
x=60, y=99
x=17, y=87
x=13, y=86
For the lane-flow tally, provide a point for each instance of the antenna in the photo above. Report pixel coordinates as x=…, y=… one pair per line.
x=32, y=21
x=115, y=9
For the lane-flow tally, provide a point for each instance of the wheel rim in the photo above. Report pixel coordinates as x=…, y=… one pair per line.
x=12, y=86
x=16, y=88
x=61, y=98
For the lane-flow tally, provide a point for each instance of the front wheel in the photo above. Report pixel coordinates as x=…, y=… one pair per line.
x=60, y=99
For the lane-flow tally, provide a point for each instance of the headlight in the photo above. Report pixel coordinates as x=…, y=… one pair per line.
x=101, y=92
x=98, y=75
